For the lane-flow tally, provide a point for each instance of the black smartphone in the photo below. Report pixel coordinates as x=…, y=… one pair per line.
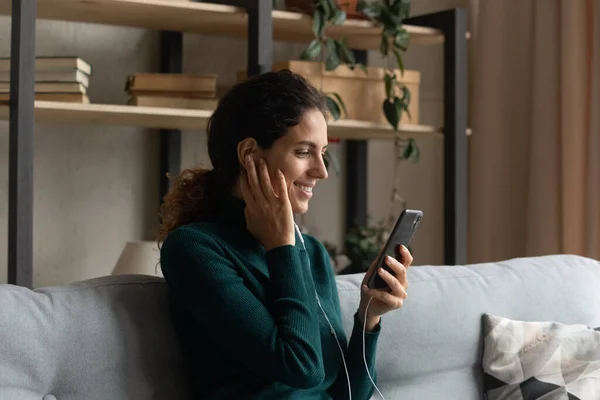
x=402, y=234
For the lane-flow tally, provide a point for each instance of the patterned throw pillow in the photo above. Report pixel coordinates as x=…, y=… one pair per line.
x=540, y=360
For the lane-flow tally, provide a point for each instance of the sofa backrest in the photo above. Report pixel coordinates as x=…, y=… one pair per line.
x=105, y=338
x=111, y=337
x=431, y=349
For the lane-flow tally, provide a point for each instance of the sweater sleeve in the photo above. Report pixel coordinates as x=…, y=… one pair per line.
x=281, y=343
x=362, y=387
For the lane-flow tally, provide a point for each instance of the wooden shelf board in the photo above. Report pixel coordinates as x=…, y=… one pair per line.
x=362, y=130
x=185, y=119
x=124, y=115
x=210, y=19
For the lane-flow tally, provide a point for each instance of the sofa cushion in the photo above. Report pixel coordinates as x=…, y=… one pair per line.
x=432, y=348
x=530, y=360
x=106, y=338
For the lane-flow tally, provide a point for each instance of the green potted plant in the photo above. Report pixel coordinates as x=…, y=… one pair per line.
x=389, y=14
x=395, y=39
x=328, y=51
x=363, y=242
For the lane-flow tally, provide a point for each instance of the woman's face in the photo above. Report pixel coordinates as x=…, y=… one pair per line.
x=299, y=155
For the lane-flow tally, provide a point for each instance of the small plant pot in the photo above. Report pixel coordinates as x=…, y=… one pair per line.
x=307, y=7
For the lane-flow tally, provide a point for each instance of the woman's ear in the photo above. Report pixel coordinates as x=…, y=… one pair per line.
x=246, y=147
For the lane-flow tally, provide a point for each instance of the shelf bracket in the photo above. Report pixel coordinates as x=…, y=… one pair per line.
x=171, y=53
x=453, y=24
x=21, y=136
x=260, y=33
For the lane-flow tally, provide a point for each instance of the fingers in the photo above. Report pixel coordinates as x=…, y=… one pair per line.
x=282, y=188
x=265, y=180
x=398, y=283
x=399, y=270
x=255, y=187
x=373, y=265
x=391, y=300
x=407, y=258
x=245, y=188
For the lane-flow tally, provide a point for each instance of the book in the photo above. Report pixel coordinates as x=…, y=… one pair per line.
x=177, y=95
x=53, y=64
x=50, y=88
x=63, y=97
x=201, y=84
x=68, y=76
x=173, y=102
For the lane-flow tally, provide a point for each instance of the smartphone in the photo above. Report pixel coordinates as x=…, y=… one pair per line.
x=402, y=234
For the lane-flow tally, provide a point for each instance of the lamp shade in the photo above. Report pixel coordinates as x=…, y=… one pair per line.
x=139, y=257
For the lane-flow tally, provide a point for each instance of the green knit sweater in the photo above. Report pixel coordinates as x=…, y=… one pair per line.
x=249, y=320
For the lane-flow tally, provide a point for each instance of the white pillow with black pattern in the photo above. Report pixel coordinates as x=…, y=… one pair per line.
x=540, y=360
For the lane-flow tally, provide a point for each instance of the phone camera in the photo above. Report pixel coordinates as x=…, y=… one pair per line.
x=414, y=225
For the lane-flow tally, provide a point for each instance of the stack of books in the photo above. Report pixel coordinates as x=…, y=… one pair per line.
x=56, y=79
x=194, y=91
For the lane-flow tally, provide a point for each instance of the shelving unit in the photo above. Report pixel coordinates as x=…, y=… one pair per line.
x=255, y=21
x=211, y=19
x=184, y=119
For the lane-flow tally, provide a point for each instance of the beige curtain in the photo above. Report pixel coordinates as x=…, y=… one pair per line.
x=535, y=115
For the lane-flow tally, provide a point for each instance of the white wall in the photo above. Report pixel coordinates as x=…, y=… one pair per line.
x=96, y=187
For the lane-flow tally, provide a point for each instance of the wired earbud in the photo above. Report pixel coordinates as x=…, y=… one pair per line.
x=335, y=335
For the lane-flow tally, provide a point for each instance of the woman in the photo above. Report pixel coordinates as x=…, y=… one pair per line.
x=255, y=302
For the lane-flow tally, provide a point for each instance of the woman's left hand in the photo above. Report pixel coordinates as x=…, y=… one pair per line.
x=386, y=300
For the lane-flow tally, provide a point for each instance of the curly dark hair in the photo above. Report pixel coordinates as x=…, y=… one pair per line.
x=263, y=107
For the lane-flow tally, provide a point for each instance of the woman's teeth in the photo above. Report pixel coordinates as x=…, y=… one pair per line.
x=305, y=188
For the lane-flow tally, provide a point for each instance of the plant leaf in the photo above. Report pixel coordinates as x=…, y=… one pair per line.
x=399, y=106
x=333, y=107
x=331, y=9
x=339, y=18
x=369, y=9
x=391, y=113
x=363, y=68
x=344, y=54
x=405, y=8
x=341, y=103
x=402, y=39
x=408, y=150
x=332, y=61
x=417, y=152
x=405, y=95
x=389, y=21
x=312, y=51
x=318, y=23
x=399, y=61
x=406, y=110
x=411, y=150
x=405, y=100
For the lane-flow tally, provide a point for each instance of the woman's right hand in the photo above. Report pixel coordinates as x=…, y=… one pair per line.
x=269, y=216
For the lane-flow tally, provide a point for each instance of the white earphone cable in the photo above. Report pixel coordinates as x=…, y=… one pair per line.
x=335, y=335
x=364, y=348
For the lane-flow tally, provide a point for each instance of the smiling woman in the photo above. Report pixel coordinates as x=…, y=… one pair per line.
x=255, y=301
x=298, y=154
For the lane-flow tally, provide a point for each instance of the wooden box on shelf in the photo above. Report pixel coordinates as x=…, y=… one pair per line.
x=362, y=93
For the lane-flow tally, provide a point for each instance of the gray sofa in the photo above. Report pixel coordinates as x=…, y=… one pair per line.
x=110, y=337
